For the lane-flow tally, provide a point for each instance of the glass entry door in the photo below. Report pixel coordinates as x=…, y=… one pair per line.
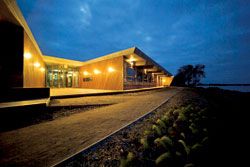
x=69, y=80
x=61, y=76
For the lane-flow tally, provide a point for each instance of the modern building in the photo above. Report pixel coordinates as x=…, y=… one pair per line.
x=23, y=65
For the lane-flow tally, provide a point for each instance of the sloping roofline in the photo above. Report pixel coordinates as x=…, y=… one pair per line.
x=15, y=10
x=143, y=55
x=126, y=52
x=57, y=60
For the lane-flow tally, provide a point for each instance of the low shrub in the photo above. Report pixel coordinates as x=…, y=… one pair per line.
x=178, y=138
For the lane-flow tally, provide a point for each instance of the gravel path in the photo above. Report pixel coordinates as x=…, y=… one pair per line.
x=47, y=143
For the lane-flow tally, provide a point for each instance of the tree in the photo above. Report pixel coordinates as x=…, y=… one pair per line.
x=189, y=75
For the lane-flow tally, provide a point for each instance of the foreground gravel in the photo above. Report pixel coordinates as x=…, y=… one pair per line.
x=227, y=132
x=108, y=153
x=49, y=142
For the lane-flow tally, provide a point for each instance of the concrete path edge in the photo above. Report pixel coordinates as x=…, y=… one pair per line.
x=105, y=93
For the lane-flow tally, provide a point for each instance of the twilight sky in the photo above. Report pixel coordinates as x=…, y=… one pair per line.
x=172, y=32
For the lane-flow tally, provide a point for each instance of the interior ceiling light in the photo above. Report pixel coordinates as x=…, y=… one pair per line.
x=131, y=59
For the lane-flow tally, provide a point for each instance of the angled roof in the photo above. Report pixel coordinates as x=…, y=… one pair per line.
x=127, y=53
x=143, y=55
x=57, y=60
x=19, y=19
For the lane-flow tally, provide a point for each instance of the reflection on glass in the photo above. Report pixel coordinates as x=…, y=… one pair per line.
x=61, y=76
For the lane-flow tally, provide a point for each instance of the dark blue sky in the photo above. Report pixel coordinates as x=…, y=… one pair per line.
x=172, y=32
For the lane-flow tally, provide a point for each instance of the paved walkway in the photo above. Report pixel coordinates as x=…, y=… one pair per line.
x=47, y=143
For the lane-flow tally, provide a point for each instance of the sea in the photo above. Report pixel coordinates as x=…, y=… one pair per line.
x=237, y=88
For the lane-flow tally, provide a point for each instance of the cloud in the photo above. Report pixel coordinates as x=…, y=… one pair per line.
x=86, y=14
x=174, y=33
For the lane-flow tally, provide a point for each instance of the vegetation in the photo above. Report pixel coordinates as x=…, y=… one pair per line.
x=217, y=118
x=178, y=138
x=189, y=75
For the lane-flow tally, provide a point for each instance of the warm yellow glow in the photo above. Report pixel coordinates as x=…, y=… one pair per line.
x=42, y=69
x=110, y=69
x=163, y=80
x=131, y=59
x=61, y=76
x=36, y=64
x=27, y=55
x=85, y=73
x=97, y=71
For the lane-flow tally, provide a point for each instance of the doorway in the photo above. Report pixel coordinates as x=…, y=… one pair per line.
x=61, y=76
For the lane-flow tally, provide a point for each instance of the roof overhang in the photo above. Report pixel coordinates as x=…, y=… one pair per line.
x=15, y=15
x=134, y=55
x=62, y=61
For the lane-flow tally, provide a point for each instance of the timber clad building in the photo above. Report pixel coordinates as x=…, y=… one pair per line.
x=24, y=66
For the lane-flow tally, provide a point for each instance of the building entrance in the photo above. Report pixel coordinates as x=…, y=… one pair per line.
x=61, y=76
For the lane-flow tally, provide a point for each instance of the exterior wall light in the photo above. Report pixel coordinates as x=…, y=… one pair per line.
x=27, y=55
x=85, y=73
x=42, y=69
x=97, y=71
x=110, y=69
x=37, y=64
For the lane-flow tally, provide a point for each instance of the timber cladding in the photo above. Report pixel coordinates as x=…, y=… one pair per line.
x=106, y=74
x=34, y=67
